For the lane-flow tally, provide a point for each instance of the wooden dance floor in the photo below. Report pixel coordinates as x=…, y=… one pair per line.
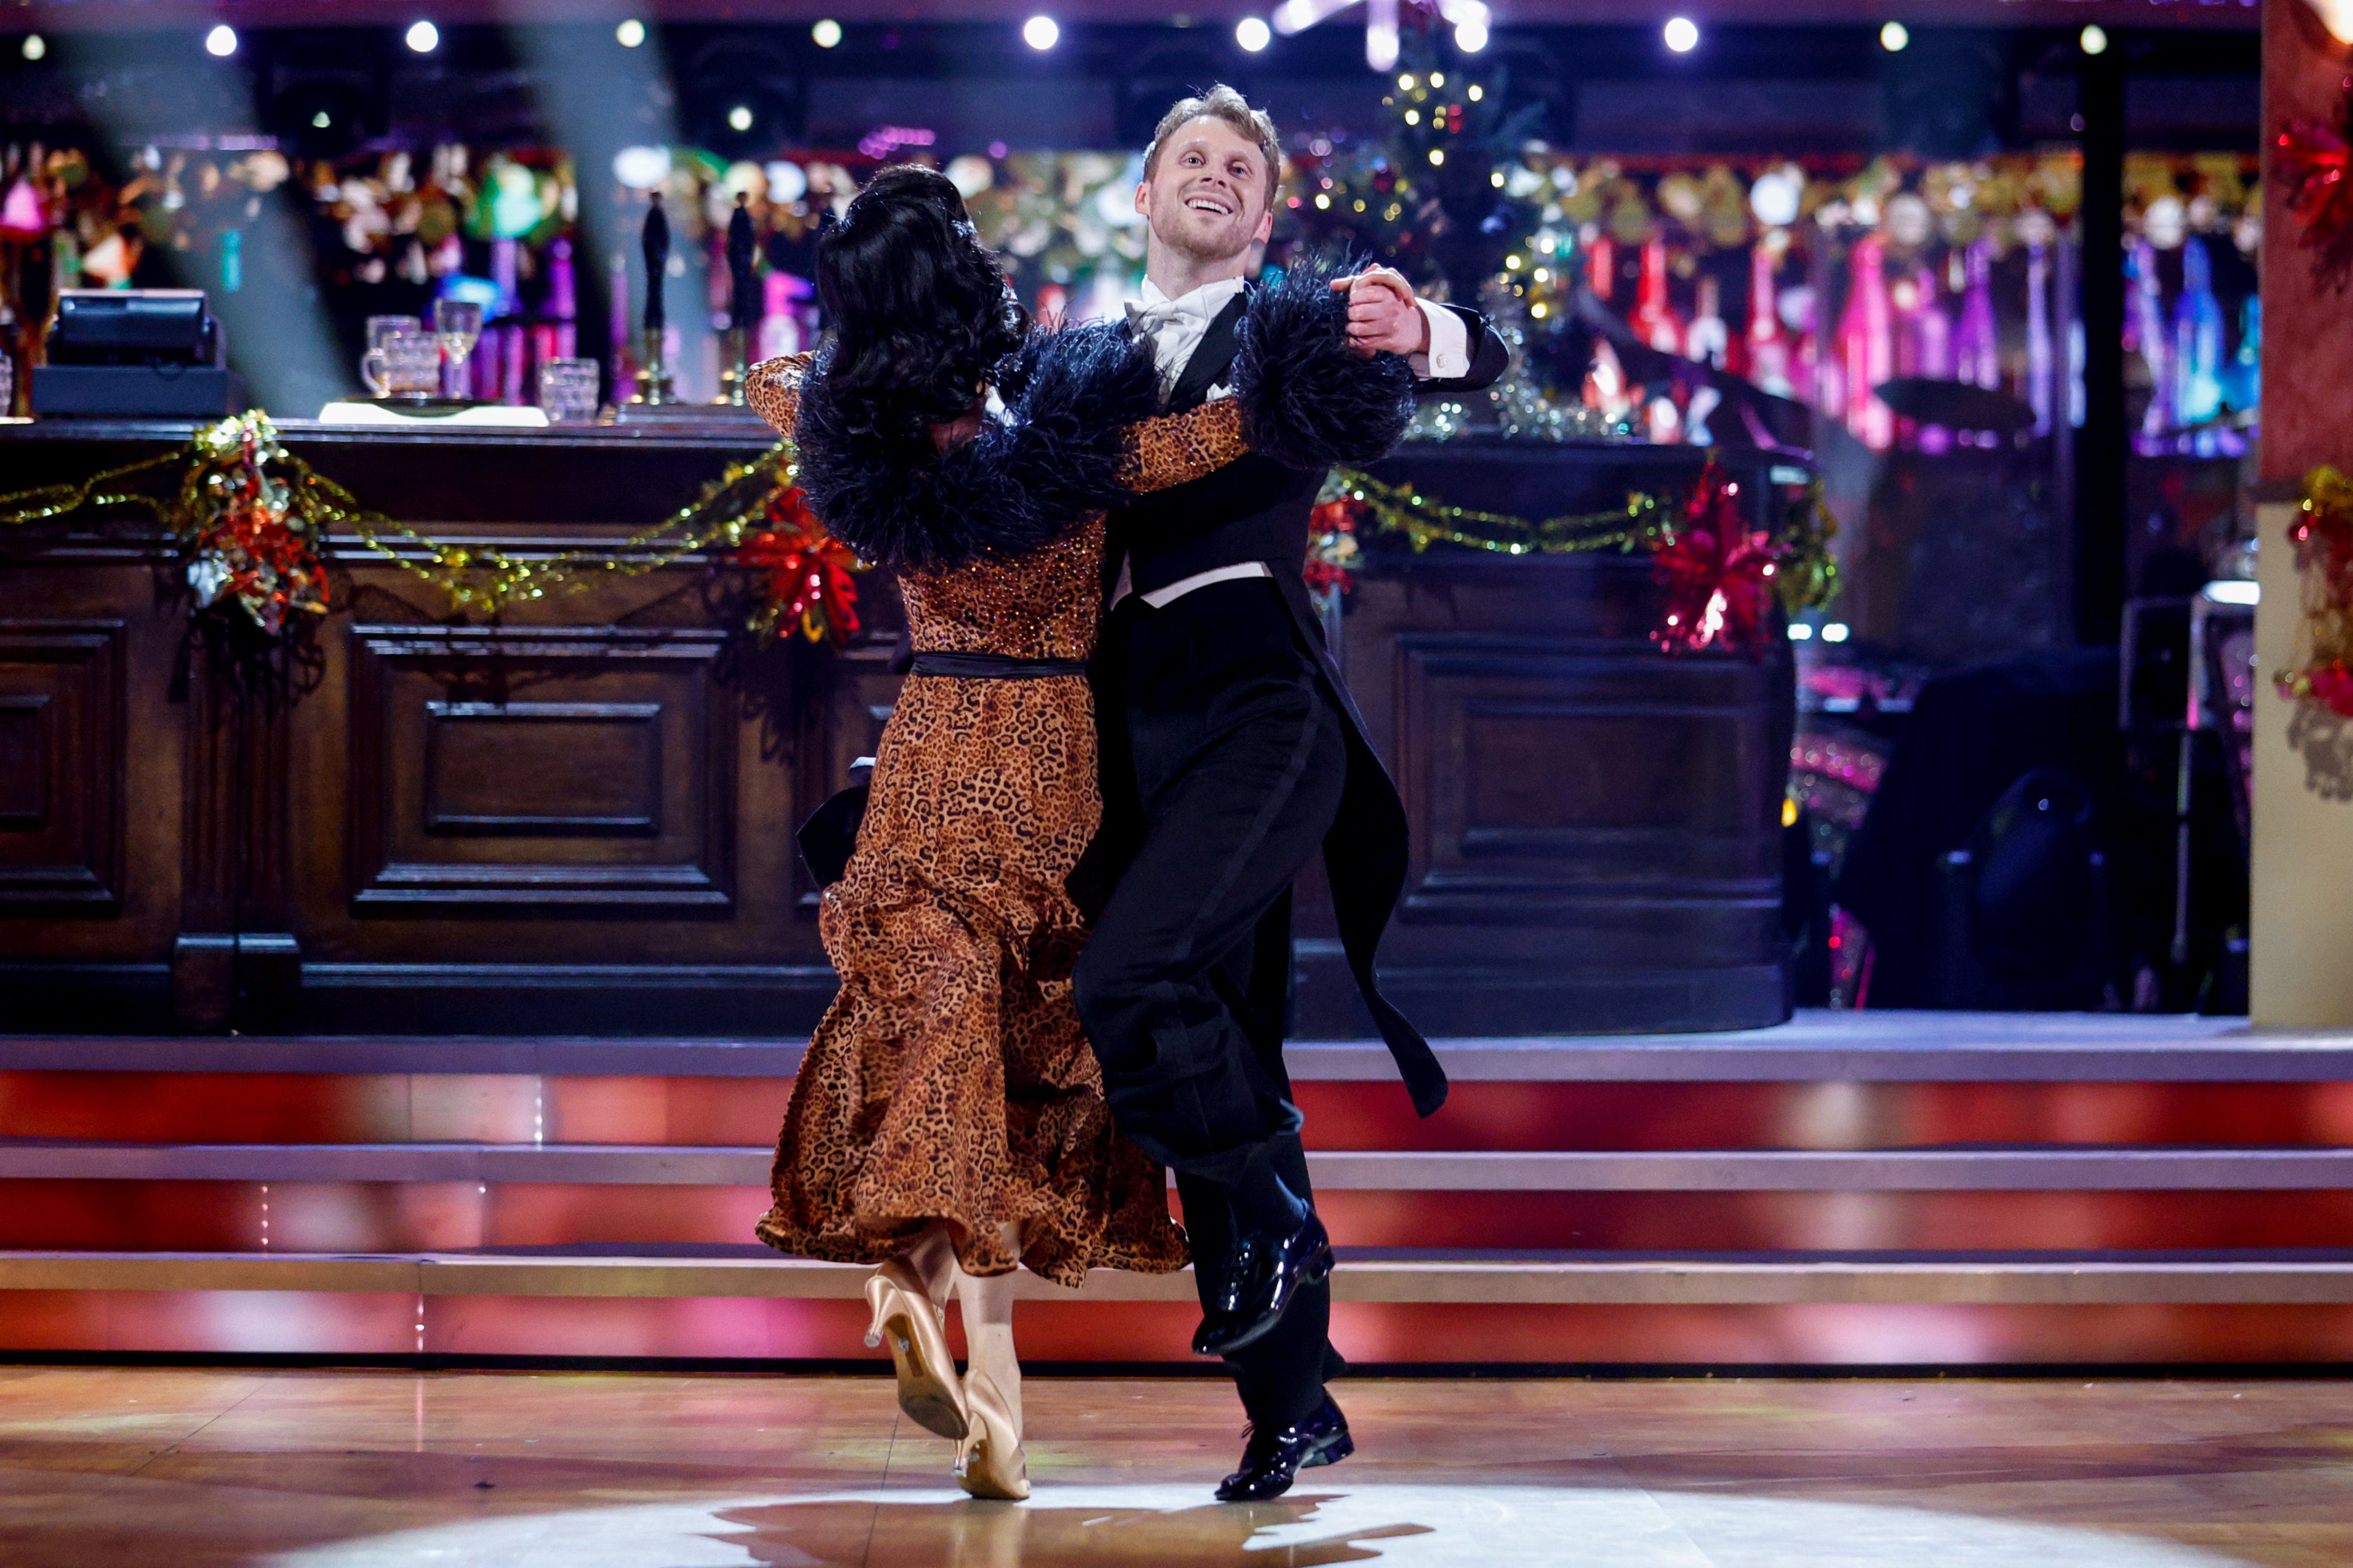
x=320, y=1469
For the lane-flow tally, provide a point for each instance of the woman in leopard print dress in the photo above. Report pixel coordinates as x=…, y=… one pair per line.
x=948, y=1121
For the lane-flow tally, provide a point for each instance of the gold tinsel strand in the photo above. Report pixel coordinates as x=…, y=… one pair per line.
x=473, y=577
x=1807, y=576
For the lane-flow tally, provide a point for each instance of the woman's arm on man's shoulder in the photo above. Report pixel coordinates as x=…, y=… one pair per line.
x=773, y=388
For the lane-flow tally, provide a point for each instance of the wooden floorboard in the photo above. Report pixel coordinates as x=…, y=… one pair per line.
x=221, y=1468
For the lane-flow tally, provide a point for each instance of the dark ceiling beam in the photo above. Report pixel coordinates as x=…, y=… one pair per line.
x=140, y=14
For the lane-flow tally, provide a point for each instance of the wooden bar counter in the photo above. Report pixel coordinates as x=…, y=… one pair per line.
x=576, y=818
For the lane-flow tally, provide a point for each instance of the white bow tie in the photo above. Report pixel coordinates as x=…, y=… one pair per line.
x=1152, y=318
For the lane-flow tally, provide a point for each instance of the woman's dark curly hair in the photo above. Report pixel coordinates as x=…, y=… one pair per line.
x=918, y=307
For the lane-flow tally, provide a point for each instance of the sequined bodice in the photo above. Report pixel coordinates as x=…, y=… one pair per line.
x=1043, y=605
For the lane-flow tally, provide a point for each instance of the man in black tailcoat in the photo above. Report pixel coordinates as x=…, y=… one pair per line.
x=1231, y=754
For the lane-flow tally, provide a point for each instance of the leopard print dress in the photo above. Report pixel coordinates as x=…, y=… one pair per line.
x=950, y=1078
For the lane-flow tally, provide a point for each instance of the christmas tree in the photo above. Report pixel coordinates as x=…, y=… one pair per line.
x=1450, y=196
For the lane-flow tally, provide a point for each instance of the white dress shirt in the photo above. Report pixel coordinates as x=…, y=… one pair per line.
x=1176, y=327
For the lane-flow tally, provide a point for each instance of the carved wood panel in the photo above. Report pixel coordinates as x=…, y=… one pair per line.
x=62, y=739
x=1549, y=779
x=554, y=770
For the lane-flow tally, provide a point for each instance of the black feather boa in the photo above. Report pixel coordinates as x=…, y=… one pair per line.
x=1308, y=399
x=1019, y=487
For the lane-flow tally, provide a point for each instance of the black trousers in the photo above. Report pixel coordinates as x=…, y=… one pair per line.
x=1236, y=760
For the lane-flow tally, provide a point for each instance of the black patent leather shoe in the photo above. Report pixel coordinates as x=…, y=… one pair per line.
x=1262, y=1280
x=1272, y=1461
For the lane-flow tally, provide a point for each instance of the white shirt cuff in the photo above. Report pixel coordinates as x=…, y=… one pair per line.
x=1449, y=358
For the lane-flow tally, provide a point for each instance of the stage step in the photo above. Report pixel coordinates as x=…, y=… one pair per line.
x=2030, y=1167
x=1818, y=1046
x=1376, y=1277
x=1873, y=1189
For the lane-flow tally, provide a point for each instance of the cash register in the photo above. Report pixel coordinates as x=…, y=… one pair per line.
x=136, y=353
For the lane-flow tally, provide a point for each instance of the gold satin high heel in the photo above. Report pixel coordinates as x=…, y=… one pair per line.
x=905, y=1319
x=990, y=1463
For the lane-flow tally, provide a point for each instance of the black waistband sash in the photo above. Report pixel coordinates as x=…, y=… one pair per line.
x=994, y=666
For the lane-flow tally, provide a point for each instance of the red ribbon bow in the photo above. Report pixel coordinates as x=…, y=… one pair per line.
x=2314, y=160
x=1718, y=573
x=803, y=571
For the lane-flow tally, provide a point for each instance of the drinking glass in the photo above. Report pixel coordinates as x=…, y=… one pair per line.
x=460, y=324
x=404, y=364
x=568, y=391
x=378, y=329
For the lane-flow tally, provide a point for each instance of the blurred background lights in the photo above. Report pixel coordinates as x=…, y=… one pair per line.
x=221, y=42
x=423, y=36
x=1252, y=34
x=2095, y=39
x=788, y=181
x=642, y=169
x=1681, y=34
x=34, y=45
x=1894, y=37
x=631, y=33
x=1470, y=36
x=1835, y=632
x=739, y=119
x=321, y=120
x=826, y=33
x=1040, y=33
x=1774, y=198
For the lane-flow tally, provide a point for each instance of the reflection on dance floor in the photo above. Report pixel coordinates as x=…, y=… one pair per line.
x=1172, y=1527
x=245, y=1467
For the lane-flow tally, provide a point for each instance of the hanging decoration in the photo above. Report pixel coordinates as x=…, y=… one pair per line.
x=248, y=546
x=2322, y=537
x=802, y=573
x=1722, y=577
x=1332, y=549
x=2314, y=159
x=1717, y=572
x=256, y=520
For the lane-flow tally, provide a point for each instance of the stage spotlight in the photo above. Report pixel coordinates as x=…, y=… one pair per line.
x=1835, y=631
x=826, y=34
x=34, y=45
x=1681, y=34
x=1894, y=37
x=1471, y=36
x=630, y=33
x=423, y=36
x=323, y=120
x=2095, y=39
x=739, y=119
x=221, y=42
x=1040, y=33
x=1252, y=34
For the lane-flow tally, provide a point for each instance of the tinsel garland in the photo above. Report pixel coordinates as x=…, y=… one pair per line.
x=1720, y=575
x=1426, y=521
x=2322, y=537
x=256, y=520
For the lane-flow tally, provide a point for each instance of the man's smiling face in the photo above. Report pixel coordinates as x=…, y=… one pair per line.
x=1207, y=195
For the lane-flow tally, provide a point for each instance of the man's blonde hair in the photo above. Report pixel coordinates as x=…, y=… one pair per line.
x=1221, y=102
